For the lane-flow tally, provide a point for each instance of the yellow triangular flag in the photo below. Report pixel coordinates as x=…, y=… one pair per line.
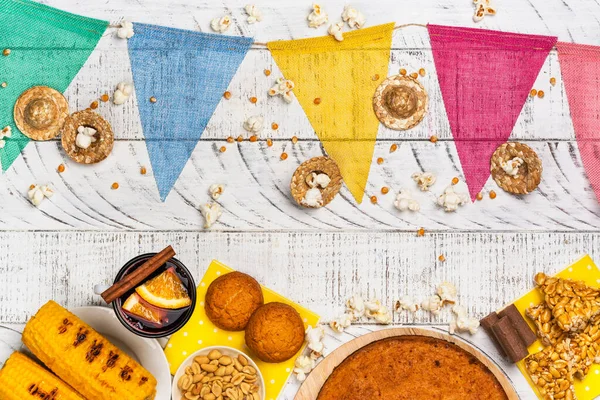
x=343, y=75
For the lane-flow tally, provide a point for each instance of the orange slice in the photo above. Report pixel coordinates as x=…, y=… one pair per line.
x=165, y=291
x=135, y=305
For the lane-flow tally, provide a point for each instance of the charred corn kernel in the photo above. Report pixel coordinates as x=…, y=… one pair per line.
x=94, y=105
x=375, y=77
x=294, y=139
x=385, y=190
x=269, y=142
x=541, y=94
x=422, y=72
x=380, y=160
x=104, y=97
x=433, y=139
x=230, y=139
x=533, y=93
x=240, y=139
x=84, y=359
x=374, y=199
x=479, y=196
x=61, y=168
x=442, y=258
x=454, y=180
x=402, y=71
x=253, y=100
x=553, y=81
x=393, y=148
x=274, y=126
x=143, y=171
x=317, y=100
x=267, y=72
x=153, y=99
x=283, y=156
x=223, y=149
x=115, y=186
x=227, y=95
x=6, y=52
x=421, y=232
x=414, y=75
x=22, y=378
x=253, y=138
x=492, y=194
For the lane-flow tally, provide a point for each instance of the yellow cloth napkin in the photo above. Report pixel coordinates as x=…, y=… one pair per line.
x=200, y=332
x=583, y=270
x=341, y=74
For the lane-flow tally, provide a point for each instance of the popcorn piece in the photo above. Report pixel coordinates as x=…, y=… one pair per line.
x=483, y=8
x=6, y=132
x=312, y=198
x=318, y=180
x=512, y=166
x=463, y=323
x=432, y=304
x=356, y=307
x=38, y=193
x=122, y=93
x=353, y=17
x=314, y=340
x=284, y=88
x=254, y=14
x=335, y=30
x=447, y=293
x=220, y=24
x=216, y=190
x=424, y=180
x=254, y=124
x=404, y=201
x=317, y=17
x=377, y=311
x=85, y=137
x=407, y=303
x=341, y=322
x=302, y=366
x=211, y=212
x=450, y=200
x=126, y=30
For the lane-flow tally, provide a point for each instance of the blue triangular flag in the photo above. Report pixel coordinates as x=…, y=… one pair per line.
x=187, y=72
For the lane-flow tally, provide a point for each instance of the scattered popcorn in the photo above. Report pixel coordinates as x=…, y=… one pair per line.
x=314, y=340
x=122, y=93
x=512, y=166
x=424, y=180
x=432, y=304
x=317, y=17
x=126, y=30
x=335, y=30
x=211, y=212
x=377, y=311
x=407, y=303
x=447, y=293
x=216, y=190
x=302, y=367
x=463, y=323
x=254, y=14
x=254, y=124
x=284, y=88
x=450, y=200
x=341, y=322
x=38, y=193
x=353, y=17
x=6, y=132
x=220, y=24
x=483, y=8
x=318, y=180
x=356, y=307
x=85, y=137
x=312, y=198
x=404, y=201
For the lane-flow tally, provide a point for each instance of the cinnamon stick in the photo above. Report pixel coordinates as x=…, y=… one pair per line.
x=134, y=278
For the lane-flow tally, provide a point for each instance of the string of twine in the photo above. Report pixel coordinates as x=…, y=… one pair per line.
x=263, y=44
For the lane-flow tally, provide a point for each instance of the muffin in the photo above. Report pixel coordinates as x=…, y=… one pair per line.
x=275, y=332
x=231, y=299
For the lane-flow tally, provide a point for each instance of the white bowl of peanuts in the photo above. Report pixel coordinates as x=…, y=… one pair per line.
x=218, y=372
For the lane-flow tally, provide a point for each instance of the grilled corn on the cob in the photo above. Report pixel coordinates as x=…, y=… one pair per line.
x=84, y=359
x=23, y=379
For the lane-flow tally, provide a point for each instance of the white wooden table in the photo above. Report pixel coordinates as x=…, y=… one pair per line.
x=86, y=232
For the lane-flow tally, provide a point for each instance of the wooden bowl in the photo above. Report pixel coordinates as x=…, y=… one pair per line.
x=312, y=385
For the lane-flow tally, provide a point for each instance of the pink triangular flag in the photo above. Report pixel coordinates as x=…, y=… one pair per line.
x=485, y=77
x=580, y=66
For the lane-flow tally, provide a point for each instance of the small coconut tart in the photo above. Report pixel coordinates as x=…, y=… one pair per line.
x=400, y=102
x=98, y=150
x=324, y=165
x=516, y=168
x=40, y=112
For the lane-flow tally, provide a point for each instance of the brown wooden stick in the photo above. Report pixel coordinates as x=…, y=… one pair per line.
x=134, y=278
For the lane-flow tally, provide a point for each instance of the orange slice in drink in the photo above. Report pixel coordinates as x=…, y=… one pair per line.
x=136, y=306
x=165, y=291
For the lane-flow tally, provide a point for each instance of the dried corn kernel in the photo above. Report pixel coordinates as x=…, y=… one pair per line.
x=479, y=196
x=294, y=139
x=240, y=139
x=227, y=95
x=274, y=126
x=442, y=258
x=31, y=186
x=230, y=139
x=267, y=72
x=317, y=100
x=414, y=75
x=143, y=170
x=375, y=77
x=223, y=149
x=153, y=99
x=454, y=180
x=115, y=186
x=61, y=168
x=422, y=71
x=253, y=100
x=402, y=72
x=374, y=199
x=104, y=97
x=380, y=160
x=421, y=232
x=533, y=93
x=94, y=105
x=6, y=52
x=433, y=139
x=492, y=194
x=385, y=190
x=253, y=138
x=553, y=81
x=541, y=94
x=269, y=142
x=393, y=148
x=283, y=156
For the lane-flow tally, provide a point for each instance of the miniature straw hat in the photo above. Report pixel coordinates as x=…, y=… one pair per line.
x=324, y=165
x=98, y=150
x=400, y=102
x=40, y=112
x=529, y=173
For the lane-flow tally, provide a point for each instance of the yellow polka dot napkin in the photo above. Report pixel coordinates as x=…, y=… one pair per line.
x=582, y=270
x=200, y=332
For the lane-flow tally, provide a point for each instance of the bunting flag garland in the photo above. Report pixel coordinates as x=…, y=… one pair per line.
x=187, y=72
x=340, y=75
x=580, y=66
x=47, y=47
x=485, y=77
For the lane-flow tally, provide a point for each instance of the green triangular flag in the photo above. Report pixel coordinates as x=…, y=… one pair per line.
x=47, y=47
